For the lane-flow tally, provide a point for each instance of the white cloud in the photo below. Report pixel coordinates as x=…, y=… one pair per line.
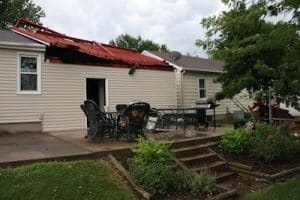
x=173, y=22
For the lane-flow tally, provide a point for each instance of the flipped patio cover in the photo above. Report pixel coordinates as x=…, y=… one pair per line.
x=115, y=54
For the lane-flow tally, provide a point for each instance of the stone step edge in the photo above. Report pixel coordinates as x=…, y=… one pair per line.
x=202, y=156
x=209, y=144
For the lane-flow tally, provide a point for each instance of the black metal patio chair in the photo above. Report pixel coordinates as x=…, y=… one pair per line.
x=132, y=121
x=100, y=124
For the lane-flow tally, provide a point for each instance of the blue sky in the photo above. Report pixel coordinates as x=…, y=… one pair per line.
x=173, y=22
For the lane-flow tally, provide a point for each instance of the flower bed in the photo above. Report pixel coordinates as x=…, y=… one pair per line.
x=123, y=165
x=266, y=152
x=258, y=165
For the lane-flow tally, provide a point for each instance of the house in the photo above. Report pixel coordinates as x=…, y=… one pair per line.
x=195, y=78
x=46, y=75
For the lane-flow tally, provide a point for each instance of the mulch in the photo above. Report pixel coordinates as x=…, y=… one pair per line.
x=245, y=185
x=259, y=165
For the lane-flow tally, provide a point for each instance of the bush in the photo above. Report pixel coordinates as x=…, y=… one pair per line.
x=269, y=144
x=240, y=123
x=152, y=167
x=198, y=182
x=236, y=141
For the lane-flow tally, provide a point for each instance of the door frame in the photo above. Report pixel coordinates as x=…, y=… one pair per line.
x=106, y=92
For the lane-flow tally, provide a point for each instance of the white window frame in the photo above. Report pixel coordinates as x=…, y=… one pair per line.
x=39, y=74
x=205, y=89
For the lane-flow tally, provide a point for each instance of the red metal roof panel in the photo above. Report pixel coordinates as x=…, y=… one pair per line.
x=53, y=38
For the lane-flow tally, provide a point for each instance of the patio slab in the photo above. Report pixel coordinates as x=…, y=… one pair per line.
x=76, y=137
x=22, y=148
x=30, y=146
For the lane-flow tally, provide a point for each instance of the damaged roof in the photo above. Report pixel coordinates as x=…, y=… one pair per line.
x=192, y=63
x=104, y=51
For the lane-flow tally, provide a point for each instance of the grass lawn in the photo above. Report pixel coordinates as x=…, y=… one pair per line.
x=62, y=180
x=289, y=190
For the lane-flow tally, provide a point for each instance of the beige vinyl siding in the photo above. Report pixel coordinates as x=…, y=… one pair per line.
x=191, y=91
x=63, y=90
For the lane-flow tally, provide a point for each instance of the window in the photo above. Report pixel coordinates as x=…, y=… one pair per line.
x=29, y=74
x=202, y=90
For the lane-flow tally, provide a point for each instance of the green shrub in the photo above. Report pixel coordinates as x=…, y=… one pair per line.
x=152, y=167
x=269, y=144
x=198, y=182
x=236, y=141
x=240, y=123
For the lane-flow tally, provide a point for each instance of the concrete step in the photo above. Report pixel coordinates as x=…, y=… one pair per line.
x=195, y=141
x=224, y=176
x=192, y=150
x=216, y=166
x=198, y=160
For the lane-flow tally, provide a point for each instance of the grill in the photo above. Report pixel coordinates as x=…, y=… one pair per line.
x=201, y=106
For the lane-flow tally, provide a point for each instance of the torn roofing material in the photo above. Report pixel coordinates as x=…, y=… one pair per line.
x=109, y=52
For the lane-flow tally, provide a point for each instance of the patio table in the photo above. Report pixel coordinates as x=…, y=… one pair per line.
x=187, y=113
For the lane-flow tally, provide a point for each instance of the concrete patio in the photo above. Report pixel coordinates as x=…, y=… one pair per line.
x=22, y=148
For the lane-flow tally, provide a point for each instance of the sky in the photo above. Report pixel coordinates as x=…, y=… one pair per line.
x=175, y=23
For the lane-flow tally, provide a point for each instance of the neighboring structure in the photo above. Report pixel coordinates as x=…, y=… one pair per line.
x=195, y=79
x=45, y=76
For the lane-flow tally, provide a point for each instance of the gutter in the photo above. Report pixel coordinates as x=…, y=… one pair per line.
x=182, y=91
x=199, y=70
x=23, y=46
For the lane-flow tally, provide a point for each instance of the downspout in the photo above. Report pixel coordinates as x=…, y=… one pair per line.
x=181, y=76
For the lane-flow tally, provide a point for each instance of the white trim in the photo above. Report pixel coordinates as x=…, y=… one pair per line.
x=147, y=53
x=106, y=93
x=106, y=88
x=24, y=34
x=22, y=46
x=205, y=88
x=39, y=73
x=201, y=70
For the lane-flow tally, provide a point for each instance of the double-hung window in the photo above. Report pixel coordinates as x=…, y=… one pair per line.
x=29, y=74
x=201, y=88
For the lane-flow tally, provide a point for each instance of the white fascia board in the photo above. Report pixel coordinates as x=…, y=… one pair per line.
x=25, y=35
x=175, y=66
x=201, y=70
x=22, y=46
x=147, y=53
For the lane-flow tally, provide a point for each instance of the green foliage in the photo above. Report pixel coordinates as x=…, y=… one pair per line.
x=198, y=182
x=128, y=41
x=239, y=123
x=62, y=181
x=236, y=141
x=269, y=144
x=258, y=51
x=12, y=10
x=279, y=191
x=152, y=167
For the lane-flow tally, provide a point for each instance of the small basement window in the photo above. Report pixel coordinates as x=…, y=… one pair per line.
x=202, y=88
x=29, y=74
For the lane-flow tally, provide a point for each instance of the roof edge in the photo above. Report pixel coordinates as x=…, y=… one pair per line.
x=147, y=53
x=23, y=46
x=32, y=38
x=202, y=70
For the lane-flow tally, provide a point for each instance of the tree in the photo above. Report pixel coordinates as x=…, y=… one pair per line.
x=128, y=41
x=259, y=50
x=12, y=10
